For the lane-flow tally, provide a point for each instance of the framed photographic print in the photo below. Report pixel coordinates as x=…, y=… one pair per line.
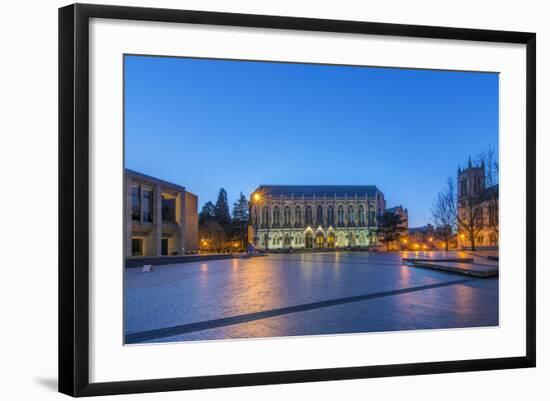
x=250, y=199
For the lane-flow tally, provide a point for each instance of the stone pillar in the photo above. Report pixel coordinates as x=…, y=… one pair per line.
x=181, y=222
x=140, y=204
x=157, y=220
x=128, y=217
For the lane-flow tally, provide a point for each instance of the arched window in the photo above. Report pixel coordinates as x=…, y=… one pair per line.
x=340, y=216
x=298, y=216
x=478, y=215
x=320, y=215
x=286, y=241
x=330, y=216
x=276, y=215
x=361, y=215
x=255, y=218
x=351, y=215
x=286, y=216
x=264, y=215
x=309, y=215
x=372, y=216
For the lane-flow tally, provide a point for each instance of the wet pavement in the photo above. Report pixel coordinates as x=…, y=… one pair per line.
x=303, y=294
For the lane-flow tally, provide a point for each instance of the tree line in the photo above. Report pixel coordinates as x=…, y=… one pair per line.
x=220, y=230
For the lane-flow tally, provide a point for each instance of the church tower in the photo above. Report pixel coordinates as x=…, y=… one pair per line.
x=471, y=180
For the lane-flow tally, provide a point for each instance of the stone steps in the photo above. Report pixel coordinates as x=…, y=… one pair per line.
x=468, y=269
x=459, y=260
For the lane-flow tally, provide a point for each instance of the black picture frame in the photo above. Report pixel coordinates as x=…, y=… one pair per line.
x=74, y=198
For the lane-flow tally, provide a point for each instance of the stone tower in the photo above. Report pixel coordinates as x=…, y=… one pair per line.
x=471, y=180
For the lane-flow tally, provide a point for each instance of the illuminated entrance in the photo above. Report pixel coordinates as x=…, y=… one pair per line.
x=330, y=240
x=309, y=240
x=319, y=241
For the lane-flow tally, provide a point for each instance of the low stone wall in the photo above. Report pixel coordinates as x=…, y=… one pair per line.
x=168, y=260
x=480, y=248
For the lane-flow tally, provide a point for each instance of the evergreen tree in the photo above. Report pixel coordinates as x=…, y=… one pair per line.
x=240, y=218
x=207, y=213
x=390, y=226
x=240, y=209
x=222, y=209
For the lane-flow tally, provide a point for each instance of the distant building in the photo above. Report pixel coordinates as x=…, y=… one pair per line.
x=404, y=214
x=315, y=216
x=421, y=237
x=478, y=206
x=161, y=217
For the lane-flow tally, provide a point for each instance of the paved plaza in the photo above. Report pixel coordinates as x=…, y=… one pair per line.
x=303, y=294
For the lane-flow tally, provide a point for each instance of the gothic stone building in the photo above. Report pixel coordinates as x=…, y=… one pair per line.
x=315, y=216
x=161, y=218
x=475, y=199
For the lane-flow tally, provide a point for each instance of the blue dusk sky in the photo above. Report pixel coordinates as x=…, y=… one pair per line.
x=206, y=124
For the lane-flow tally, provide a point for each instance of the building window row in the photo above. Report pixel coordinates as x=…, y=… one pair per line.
x=142, y=206
x=349, y=216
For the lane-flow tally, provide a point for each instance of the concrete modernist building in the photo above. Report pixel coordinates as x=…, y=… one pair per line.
x=315, y=216
x=477, y=205
x=161, y=218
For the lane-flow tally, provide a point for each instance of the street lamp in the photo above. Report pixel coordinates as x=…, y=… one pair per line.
x=258, y=200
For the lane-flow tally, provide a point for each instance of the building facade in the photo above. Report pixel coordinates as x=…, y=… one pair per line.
x=315, y=216
x=420, y=238
x=477, y=208
x=161, y=218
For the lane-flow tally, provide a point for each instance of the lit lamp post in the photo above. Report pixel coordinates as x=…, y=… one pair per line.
x=257, y=201
x=204, y=245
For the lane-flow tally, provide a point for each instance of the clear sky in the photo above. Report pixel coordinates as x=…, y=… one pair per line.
x=206, y=124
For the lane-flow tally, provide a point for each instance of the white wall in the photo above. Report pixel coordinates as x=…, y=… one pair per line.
x=28, y=162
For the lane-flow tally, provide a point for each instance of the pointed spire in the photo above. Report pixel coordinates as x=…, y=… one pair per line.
x=459, y=170
x=469, y=161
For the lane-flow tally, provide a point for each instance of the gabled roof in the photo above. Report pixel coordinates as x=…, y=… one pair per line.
x=319, y=190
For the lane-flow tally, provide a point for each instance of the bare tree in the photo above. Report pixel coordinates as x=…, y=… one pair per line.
x=444, y=213
x=488, y=158
x=470, y=216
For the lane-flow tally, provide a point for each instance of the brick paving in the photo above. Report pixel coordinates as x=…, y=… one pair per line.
x=302, y=294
